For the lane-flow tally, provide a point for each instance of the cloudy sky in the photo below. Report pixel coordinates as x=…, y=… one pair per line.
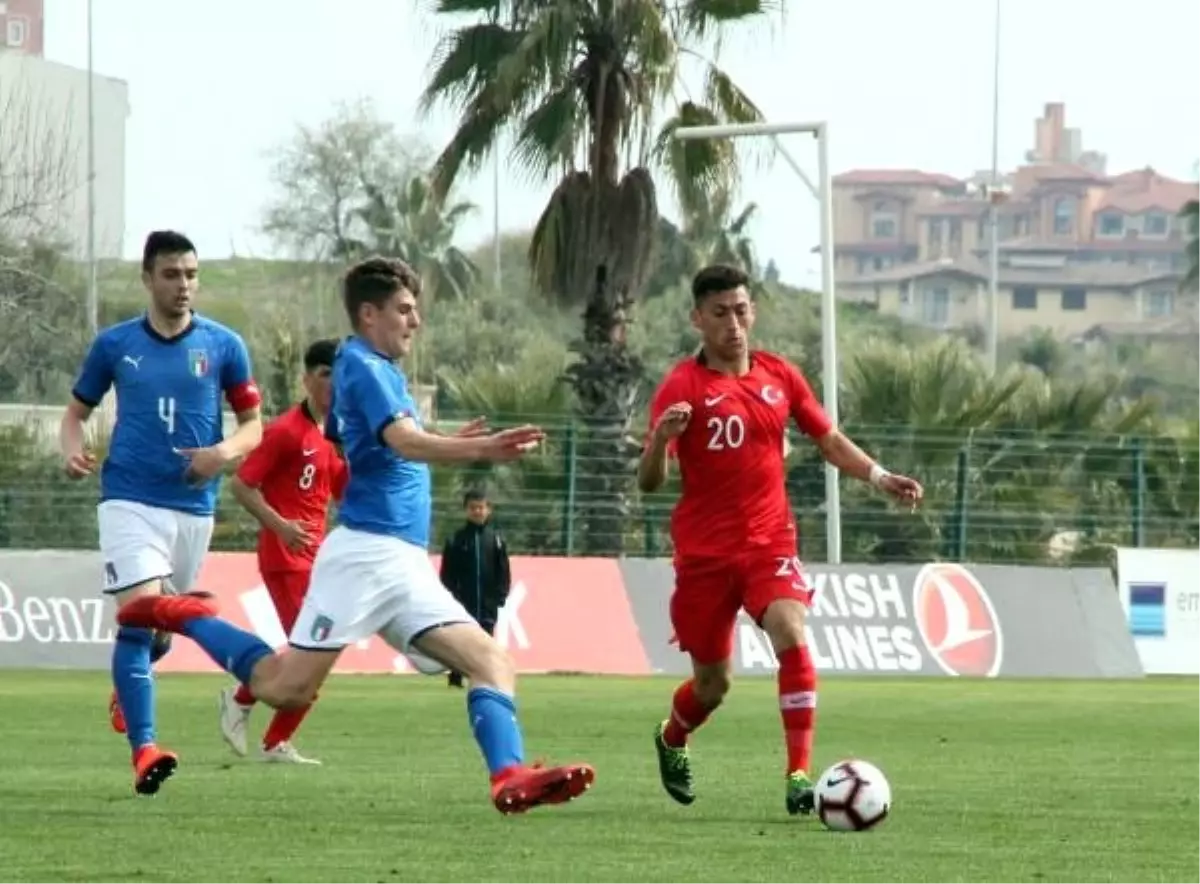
x=215, y=84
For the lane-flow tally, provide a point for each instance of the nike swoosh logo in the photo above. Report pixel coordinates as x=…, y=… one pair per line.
x=713, y=401
x=309, y=452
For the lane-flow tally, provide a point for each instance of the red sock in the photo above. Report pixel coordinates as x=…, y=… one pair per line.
x=283, y=724
x=797, y=705
x=243, y=697
x=687, y=714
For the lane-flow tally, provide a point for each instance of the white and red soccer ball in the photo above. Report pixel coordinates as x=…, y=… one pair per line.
x=852, y=796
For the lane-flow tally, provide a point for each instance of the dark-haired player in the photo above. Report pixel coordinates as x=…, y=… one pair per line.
x=287, y=483
x=373, y=574
x=724, y=414
x=158, y=486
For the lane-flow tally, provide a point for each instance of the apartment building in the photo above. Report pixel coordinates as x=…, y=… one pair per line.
x=1078, y=247
x=22, y=26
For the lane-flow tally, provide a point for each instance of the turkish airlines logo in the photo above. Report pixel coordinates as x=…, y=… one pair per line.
x=957, y=621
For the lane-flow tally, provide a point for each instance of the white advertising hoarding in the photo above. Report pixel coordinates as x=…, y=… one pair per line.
x=1160, y=592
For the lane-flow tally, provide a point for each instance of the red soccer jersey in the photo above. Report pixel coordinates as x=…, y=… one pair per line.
x=731, y=454
x=298, y=471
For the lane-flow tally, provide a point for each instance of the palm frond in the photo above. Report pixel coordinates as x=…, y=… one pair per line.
x=696, y=168
x=551, y=131
x=466, y=61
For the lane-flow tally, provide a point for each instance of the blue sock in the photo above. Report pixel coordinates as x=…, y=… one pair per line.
x=493, y=717
x=134, y=683
x=234, y=650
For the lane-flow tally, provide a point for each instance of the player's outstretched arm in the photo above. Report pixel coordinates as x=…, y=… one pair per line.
x=840, y=450
x=411, y=442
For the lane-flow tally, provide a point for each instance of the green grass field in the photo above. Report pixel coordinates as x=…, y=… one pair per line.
x=995, y=781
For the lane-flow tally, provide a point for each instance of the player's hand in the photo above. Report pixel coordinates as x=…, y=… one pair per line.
x=512, y=444
x=204, y=463
x=80, y=465
x=673, y=421
x=473, y=428
x=295, y=535
x=903, y=489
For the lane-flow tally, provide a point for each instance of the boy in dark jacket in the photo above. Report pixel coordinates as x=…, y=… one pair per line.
x=475, y=566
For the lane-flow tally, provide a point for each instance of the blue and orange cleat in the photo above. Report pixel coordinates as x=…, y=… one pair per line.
x=518, y=789
x=168, y=613
x=115, y=715
x=151, y=767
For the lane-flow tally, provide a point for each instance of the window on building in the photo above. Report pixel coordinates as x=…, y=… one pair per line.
x=1159, y=302
x=1155, y=224
x=1074, y=299
x=1024, y=297
x=885, y=221
x=1111, y=224
x=16, y=31
x=1064, y=216
x=935, y=305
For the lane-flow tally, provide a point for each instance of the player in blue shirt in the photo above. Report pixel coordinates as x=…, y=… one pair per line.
x=158, y=486
x=373, y=573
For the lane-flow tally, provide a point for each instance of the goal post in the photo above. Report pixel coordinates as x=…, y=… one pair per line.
x=823, y=191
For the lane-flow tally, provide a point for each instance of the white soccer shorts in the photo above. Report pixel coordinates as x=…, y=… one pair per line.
x=370, y=584
x=140, y=543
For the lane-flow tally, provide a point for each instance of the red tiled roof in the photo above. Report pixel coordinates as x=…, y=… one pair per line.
x=1144, y=189
x=907, y=177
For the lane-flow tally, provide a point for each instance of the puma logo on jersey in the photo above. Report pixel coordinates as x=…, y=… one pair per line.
x=772, y=395
x=136, y=363
x=714, y=400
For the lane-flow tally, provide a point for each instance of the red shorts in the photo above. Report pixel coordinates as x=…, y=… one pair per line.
x=287, y=590
x=710, y=591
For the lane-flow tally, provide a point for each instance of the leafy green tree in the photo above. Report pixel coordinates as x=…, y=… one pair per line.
x=581, y=85
x=1191, y=218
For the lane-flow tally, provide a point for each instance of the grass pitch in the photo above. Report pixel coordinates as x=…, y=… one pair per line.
x=992, y=781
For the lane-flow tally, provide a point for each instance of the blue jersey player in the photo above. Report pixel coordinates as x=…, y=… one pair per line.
x=158, y=487
x=373, y=574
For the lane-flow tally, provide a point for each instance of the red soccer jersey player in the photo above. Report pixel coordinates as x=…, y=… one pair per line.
x=723, y=414
x=286, y=483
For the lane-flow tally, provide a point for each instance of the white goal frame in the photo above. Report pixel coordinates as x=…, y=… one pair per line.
x=823, y=191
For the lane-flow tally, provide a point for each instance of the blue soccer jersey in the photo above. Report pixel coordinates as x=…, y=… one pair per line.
x=169, y=393
x=386, y=494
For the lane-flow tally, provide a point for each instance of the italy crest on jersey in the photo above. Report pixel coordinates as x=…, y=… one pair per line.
x=198, y=363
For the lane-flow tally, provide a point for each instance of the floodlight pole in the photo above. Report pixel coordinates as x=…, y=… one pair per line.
x=823, y=191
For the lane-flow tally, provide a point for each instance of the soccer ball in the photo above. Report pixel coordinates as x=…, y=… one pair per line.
x=853, y=795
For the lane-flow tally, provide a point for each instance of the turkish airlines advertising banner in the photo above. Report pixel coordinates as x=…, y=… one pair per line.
x=609, y=616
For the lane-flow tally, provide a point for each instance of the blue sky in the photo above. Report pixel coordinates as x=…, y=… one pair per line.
x=216, y=84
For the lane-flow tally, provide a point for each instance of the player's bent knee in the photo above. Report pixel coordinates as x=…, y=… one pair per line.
x=712, y=683
x=783, y=622
x=491, y=665
x=291, y=681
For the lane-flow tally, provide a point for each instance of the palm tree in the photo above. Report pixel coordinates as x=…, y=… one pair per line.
x=581, y=84
x=1041, y=455
x=411, y=224
x=715, y=235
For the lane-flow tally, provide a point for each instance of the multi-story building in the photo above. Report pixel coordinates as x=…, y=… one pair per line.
x=43, y=152
x=22, y=26
x=1078, y=247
